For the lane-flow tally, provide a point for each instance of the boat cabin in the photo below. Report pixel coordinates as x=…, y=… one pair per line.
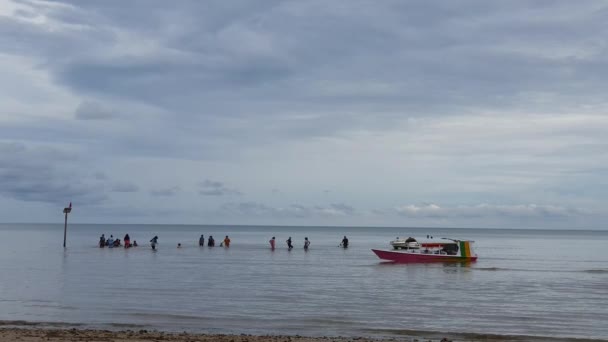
x=443, y=248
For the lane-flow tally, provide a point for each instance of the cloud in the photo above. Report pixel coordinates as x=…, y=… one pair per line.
x=100, y=176
x=31, y=174
x=337, y=209
x=382, y=103
x=124, y=187
x=277, y=59
x=166, y=192
x=489, y=211
x=88, y=110
x=253, y=209
x=215, y=188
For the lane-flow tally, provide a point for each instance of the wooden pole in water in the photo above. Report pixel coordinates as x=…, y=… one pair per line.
x=66, y=211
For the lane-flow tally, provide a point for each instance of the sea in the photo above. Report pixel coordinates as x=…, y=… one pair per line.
x=526, y=284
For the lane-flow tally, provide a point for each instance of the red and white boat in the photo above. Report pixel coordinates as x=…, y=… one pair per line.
x=410, y=250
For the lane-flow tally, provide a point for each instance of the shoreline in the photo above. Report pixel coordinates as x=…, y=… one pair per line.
x=32, y=332
x=36, y=334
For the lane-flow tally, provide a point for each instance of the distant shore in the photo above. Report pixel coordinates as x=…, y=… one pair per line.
x=38, y=334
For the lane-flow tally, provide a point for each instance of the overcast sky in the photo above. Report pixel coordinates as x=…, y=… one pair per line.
x=392, y=113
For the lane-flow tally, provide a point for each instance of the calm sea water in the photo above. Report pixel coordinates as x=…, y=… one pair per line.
x=526, y=282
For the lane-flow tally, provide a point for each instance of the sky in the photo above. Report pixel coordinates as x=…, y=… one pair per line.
x=364, y=113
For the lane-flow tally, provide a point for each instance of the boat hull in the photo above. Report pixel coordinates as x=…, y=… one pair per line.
x=404, y=257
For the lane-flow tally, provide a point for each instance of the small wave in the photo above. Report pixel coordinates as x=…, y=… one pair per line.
x=165, y=316
x=20, y=323
x=55, y=306
x=516, y=269
x=492, y=269
x=596, y=271
x=126, y=325
x=496, y=269
x=474, y=337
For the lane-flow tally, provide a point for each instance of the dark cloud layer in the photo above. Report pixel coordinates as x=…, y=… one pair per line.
x=426, y=57
x=33, y=174
x=124, y=187
x=92, y=111
x=166, y=192
x=215, y=188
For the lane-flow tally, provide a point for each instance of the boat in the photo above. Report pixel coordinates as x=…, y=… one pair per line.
x=414, y=251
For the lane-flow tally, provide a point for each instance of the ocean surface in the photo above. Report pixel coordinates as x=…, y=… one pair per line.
x=548, y=283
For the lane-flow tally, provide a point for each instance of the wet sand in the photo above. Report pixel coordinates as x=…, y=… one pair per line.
x=37, y=334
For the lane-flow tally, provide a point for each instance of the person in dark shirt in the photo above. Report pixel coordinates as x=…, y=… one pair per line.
x=344, y=242
x=154, y=242
x=289, y=245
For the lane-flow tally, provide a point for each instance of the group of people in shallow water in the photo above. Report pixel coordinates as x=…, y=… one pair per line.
x=343, y=244
x=111, y=242
x=211, y=241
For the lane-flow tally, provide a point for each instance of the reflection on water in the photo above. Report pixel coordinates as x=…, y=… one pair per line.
x=249, y=288
x=455, y=267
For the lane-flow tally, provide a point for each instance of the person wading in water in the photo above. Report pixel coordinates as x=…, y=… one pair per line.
x=289, y=245
x=154, y=242
x=344, y=242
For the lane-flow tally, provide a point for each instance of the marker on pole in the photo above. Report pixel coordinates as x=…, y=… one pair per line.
x=66, y=211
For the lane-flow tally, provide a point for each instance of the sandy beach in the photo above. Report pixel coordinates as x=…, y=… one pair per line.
x=90, y=335
x=42, y=334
